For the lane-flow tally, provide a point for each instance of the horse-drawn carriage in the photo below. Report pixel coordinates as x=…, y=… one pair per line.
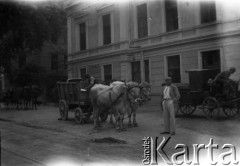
x=205, y=94
x=73, y=97
x=21, y=98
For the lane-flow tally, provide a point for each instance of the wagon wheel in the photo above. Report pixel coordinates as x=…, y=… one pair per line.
x=187, y=109
x=211, y=108
x=104, y=116
x=231, y=109
x=79, y=118
x=63, y=109
x=89, y=110
x=177, y=110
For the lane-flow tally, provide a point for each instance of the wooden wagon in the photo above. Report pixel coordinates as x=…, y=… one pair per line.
x=74, y=97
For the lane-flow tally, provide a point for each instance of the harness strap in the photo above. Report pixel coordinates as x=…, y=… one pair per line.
x=134, y=97
x=115, y=101
x=110, y=96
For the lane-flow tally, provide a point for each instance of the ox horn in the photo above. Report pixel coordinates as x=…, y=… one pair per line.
x=138, y=99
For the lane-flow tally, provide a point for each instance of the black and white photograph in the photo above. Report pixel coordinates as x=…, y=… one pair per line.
x=119, y=82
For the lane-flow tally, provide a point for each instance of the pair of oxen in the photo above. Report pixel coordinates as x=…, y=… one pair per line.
x=118, y=99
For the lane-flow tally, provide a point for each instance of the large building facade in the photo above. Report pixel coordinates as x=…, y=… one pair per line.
x=144, y=40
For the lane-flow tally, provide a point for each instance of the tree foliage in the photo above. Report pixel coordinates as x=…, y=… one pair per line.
x=29, y=75
x=21, y=33
x=24, y=28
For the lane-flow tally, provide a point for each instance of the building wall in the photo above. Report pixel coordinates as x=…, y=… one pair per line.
x=188, y=41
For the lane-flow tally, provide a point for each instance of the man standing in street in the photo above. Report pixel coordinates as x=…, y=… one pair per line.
x=170, y=98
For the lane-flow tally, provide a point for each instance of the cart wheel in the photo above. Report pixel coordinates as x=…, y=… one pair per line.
x=79, y=118
x=63, y=109
x=89, y=111
x=187, y=109
x=211, y=108
x=231, y=110
x=177, y=110
x=104, y=116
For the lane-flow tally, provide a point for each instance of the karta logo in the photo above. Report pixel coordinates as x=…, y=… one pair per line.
x=154, y=151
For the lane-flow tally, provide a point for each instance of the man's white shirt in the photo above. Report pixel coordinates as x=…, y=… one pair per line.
x=167, y=92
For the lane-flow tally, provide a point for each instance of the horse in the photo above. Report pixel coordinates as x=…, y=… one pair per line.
x=7, y=98
x=104, y=98
x=17, y=97
x=26, y=95
x=35, y=93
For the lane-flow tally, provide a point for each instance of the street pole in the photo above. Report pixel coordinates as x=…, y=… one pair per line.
x=132, y=46
x=141, y=62
x=142, y=66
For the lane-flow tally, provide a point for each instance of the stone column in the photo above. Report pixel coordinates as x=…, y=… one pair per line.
x=126, y=72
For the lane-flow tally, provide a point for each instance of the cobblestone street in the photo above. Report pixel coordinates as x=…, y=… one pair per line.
x=37, y=137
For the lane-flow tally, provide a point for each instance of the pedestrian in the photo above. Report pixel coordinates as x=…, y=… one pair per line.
x=170, y=97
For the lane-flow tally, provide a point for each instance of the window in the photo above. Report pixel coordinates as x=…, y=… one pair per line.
x=171, y=15
x=146, y=70
x=54, y=61
x=142, y=21
x=106, y=29
x=173, y=63
x=83, y=72
x=208, y=11
x=211, y=60
x=136, y=71
x=107, y=69
x=82, y=35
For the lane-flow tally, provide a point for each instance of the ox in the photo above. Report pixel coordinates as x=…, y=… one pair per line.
x=137, y=95
x=104, y=98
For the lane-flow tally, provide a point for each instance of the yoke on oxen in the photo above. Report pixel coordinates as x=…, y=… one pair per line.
x=104, y=98
x=137, y=94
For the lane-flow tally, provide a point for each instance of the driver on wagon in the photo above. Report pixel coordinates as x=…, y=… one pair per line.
x=223, y=79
